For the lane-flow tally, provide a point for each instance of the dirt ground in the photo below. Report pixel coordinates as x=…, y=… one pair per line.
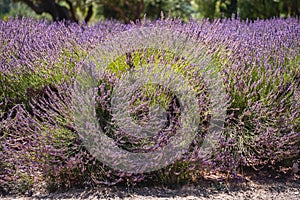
x=262, y=185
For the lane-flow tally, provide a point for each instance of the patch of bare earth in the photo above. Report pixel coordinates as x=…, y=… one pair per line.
x=250, y=185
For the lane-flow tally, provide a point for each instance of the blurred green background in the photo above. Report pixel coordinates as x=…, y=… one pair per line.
x=131, y=10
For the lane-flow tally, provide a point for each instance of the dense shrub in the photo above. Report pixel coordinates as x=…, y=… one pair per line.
x=259, y=63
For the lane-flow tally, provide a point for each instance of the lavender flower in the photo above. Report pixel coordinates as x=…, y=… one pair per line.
x=259, y=67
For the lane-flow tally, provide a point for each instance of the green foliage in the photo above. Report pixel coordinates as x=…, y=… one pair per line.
x=259, y=9
x=9, y=8
x=28, y=82
x=250, y=9
x=4, y=7
x=131, y=10
x=216, y=8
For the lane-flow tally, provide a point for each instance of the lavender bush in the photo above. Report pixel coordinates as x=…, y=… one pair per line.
x=259, y=63
x=38, y=61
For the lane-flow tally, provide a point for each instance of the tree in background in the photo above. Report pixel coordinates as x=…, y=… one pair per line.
x=206, y=8
x=228, y=7
x=290, y=7
x=263, y=9
x=248, y=9
x=4, y=7
x=71, y=10
x=10, y=8
x=123, y=10
x=217, y=8
x=131, y=10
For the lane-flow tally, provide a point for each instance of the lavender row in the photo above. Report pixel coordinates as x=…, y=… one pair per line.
x=259, y=63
